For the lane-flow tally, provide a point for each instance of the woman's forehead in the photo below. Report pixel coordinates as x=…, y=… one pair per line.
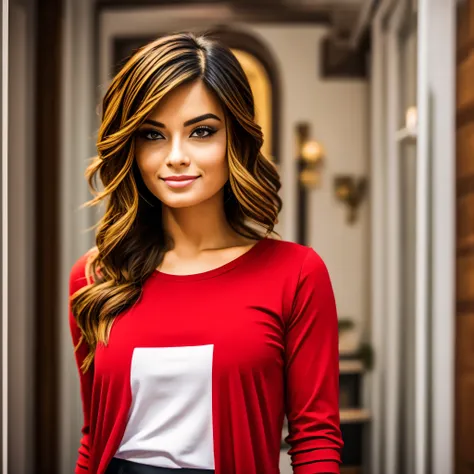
x=187, y=102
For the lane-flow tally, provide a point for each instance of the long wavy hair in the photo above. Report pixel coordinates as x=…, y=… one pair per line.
x=130, y=237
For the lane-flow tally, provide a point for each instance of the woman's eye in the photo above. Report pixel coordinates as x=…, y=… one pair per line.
x=203, y=132
x=150, y=135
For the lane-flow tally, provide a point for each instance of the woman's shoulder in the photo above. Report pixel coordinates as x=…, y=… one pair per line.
x=301, y=258
x=289, y=249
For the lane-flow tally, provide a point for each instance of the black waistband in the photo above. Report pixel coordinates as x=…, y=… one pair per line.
x=122, y=466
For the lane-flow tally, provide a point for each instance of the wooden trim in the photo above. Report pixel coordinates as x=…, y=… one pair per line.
x=465, y=186
x=464, y=246
x=464, y=307
x=464, y=51
x=464, y=116
x=351, y=470
x=340, y=61
x=465, y=250
x=464, y=375
x=354, y=415
x=47, y=172
x=262, y=11
x=350, y=367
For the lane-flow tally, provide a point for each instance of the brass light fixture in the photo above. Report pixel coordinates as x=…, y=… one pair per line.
x=411, y=120
x=308, y=160
x=409, y=131
x=350, y=191
x=311, y=157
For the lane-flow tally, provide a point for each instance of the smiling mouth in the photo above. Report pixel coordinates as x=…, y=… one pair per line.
x=180, y=181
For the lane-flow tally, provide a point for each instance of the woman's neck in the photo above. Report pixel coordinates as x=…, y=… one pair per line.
x=198, y=228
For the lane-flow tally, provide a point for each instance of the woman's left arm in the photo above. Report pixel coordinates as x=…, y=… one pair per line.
x=312, y=373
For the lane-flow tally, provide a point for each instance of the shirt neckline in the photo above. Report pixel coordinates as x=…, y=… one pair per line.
x=253, y=251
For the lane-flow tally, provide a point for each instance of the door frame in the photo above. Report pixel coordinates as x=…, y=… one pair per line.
x=435, y=234
x=436, y=95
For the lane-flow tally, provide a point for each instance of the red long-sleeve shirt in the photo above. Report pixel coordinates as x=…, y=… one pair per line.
x=201, y=370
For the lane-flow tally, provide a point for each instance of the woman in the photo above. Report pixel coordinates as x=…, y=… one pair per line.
x=196, y=332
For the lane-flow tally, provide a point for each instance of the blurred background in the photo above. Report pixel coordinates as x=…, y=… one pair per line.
x=367, y=107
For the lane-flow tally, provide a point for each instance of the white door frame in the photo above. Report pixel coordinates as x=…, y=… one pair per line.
x=378, y=172
x=435, y=233
x=437, y=160
x=395, y=22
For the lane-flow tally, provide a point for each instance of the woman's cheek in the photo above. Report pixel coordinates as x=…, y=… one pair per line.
x=210, y=156
x=149, y=162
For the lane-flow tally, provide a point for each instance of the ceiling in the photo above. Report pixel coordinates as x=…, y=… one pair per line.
x=341, y=14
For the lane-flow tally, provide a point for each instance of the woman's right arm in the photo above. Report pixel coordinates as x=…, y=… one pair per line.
x=76, y=282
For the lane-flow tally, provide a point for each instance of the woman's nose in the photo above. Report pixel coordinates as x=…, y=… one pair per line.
x=177, y=155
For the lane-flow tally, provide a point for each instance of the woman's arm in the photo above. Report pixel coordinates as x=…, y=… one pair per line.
x=312, y=373
x=77, y=281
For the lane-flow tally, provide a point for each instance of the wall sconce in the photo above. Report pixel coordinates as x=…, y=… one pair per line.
x=410, y=130
x=350, y=191
x=411, y=120
x=310, y=153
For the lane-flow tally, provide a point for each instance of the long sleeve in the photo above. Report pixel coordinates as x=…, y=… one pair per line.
x=78, y=280
x=312, y=373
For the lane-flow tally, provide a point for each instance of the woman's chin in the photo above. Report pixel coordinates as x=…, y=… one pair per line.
x=181, y=202
x=180, y=199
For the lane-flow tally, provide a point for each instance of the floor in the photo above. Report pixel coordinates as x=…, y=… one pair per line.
x=285, y=465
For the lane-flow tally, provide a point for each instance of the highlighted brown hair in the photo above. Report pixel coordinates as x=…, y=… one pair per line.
x=130, y=237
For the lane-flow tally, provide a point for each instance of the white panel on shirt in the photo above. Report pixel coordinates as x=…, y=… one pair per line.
x=170, y=418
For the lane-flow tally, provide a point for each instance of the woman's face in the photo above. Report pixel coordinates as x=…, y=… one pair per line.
x=181, y=147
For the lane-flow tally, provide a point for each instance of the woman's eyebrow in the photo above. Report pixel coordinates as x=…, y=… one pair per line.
x=187, y=123
x=155, y=123
x=200, y=119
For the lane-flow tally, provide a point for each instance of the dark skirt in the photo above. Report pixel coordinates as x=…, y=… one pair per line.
x=121, y=466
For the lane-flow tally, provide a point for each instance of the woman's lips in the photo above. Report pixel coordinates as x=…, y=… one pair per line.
x=180, y=182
